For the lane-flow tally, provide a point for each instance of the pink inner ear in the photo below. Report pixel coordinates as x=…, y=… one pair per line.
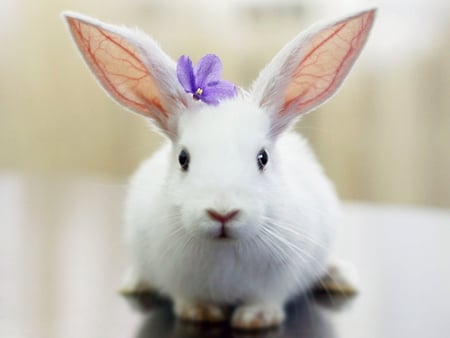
x=118, y=67
x=328, y=58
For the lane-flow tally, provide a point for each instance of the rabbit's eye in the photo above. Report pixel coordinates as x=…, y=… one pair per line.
x=183, y=159
x=262, y=159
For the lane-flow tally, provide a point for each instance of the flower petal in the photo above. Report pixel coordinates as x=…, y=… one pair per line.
x=208, y=69
x=185, y=74
x=213, y=94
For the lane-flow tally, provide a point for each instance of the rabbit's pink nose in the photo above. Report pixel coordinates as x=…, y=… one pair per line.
x=222, y=218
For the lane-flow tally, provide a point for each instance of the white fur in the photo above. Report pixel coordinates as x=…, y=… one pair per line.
x=281, y=239
x=293, y=192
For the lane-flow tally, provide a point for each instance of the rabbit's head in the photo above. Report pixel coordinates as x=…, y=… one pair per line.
x=224, y=171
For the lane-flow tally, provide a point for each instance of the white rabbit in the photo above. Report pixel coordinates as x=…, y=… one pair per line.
x=234, y=210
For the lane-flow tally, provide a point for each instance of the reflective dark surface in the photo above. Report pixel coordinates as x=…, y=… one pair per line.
x=307, y=318
x=62, y=259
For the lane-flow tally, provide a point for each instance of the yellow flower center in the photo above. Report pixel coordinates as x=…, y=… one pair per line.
x=199, y=92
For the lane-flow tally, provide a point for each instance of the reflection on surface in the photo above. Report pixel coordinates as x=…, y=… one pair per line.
x=307, y=318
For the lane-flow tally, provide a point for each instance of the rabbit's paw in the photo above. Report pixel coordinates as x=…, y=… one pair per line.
x=200, y=312
x=341, y=278
x=133, y=284
x=257, y=316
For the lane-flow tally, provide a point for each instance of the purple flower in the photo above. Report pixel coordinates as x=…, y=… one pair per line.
x=203, y=80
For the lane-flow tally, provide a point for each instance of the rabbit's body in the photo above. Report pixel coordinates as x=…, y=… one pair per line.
x=234, y=209
x=293, y=200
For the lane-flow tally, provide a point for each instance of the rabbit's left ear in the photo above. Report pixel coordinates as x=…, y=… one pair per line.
x=132, y=69
x=310, y=69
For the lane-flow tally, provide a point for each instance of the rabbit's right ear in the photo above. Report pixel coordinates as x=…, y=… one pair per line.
x=310, y=69
x=131, y=67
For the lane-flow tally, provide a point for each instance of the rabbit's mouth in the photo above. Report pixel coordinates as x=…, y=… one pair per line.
x=219, y=225
x=223, y=230
x=223, y=219
x=224, y=233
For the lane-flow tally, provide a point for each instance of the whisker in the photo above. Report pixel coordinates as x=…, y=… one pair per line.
x=285, y=242
x=302, y=254
x=294, y=230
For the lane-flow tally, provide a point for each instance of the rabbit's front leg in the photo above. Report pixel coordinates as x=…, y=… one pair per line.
x=341, y=278
x=134, y=284
x=258, y=316
x=199, y=311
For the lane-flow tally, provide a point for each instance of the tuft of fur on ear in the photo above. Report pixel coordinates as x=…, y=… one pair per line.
x=131, y=67
x=310, y=69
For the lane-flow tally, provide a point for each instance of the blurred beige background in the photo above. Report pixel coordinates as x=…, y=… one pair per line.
x=385, y=137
